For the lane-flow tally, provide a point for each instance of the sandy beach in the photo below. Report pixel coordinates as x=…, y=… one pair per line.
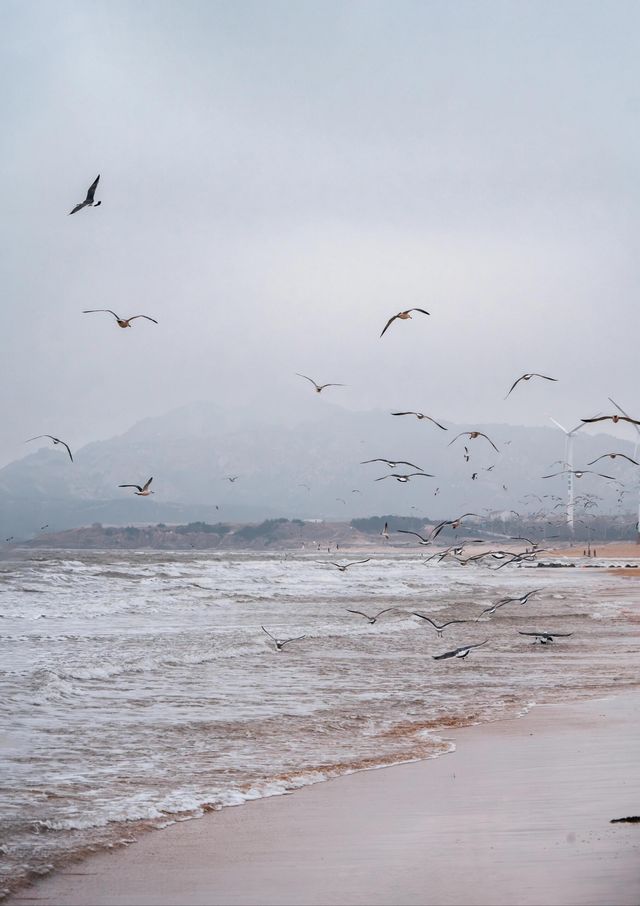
x=519, y=813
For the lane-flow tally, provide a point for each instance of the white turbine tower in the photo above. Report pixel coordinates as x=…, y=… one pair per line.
x=568, y=455
x=635, y=456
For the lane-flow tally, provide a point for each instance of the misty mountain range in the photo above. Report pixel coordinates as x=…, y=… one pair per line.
x=305, y=463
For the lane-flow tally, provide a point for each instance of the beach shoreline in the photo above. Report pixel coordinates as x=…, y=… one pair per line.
x=519, y=813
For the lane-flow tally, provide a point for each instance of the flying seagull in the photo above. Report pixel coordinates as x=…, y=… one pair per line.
x=544, y=637
x=417, y=534
x=392, y=464
x=405, y=478
x=121, y=322
x=343, y=567
x=373, y=619
x=462, y=652
x=232, y=478
x=614, y=456
x=472, y=435
x=420, y=416
x=527, y=377
x=579, y=473
x=56, y=440
x=454, y=523
x=614, y=418
x=438, y=628
x=142, y=491
x=89, y=202
x=319, y=387
x=403, y=315
x=280, y=643
x=522, y=599
x=385, y=531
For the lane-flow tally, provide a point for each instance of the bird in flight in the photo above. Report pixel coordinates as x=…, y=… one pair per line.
x=343, y=567
x=405, y=478
x=438, y=628
x=454, y=523
x=121, y=322
x=280, y=643
x=527, y=377
x=417, y=534
x=544, y=637
x=141, y=491
x=614, y=456
x=319, y=387
x=89, y=202
x=472, y=435
x=56, y=440
x=403, y=316
x=232, y=478
x=461, y=652
x=373, y=619
x=579, y=473
x=392, y=464
x=614, y=418
x=420, y=416
x=385, y=531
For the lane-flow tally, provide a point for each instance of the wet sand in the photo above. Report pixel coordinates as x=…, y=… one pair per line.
x=518, y=814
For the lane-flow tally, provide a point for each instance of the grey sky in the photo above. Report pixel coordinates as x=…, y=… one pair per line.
x=279, y=178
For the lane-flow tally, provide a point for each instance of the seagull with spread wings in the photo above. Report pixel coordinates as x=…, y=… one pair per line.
x=56, y=440
x=141, y=491
x=579, y=473
x=392, y=464
x=472, y=436
x=461, y=652
x=527, y=377
x=420, y=416
x=614, y=456
x=121, y=322
x=89, y=200
x=403, y=479
x=403, y=316
x=545, y=637
x=453, y=523
x=613, y=418
x=343, y=567
x=417, y=534
x=372, y=619
x=438, y=627
x=319, y=387
x=280, y=643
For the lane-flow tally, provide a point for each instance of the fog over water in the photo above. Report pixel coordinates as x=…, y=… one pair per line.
x=278, y=179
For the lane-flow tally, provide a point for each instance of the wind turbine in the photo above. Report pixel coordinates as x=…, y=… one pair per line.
x=635, y=454
x=568, y=455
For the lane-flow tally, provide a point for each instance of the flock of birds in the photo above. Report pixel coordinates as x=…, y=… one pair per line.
x=507, y=557
x=461, y=651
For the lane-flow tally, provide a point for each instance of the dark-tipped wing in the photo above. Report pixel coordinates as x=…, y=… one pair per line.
x=386, y=610
x=407, y=532
x=437, y=423
x=78, y=207
x=286, y=641
x=422, y=617
x=421, y=310
x=359, y=612
x=66, y=446
x=402, y=462
x=269, y=634
x=490, y=441
x=462, y=434
x=406, y=413
x=307, y=378
x=514, y=385
x=92, y=311
x=389, y=322
x=92, y=189
x=130, y=486
x=355, y=562
x=133, y=317
x=147, y=484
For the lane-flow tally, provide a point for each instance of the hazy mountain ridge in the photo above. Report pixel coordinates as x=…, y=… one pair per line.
x=192, y=450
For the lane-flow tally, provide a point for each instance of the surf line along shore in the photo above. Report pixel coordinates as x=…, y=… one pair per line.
x=519, y=814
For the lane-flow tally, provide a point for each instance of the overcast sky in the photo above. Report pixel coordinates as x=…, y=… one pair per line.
x=279, y=178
